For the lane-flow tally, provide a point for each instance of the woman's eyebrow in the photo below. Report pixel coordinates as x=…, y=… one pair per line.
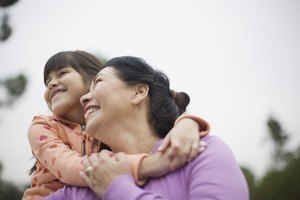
x=95, y=78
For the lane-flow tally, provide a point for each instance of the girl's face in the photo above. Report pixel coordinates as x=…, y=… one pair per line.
x=64, y=87
x=107, y=104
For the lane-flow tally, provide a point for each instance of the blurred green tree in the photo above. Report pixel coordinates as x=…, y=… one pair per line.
x=9, y=191
x=282, y=180
x=279, y=139
x=5, y=28
x=251, y=180
x=11, y=89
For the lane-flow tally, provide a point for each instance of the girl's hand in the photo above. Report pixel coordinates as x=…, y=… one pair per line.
x=178, y=147
x=102, y=168
x=159, y=163
x=182, y=143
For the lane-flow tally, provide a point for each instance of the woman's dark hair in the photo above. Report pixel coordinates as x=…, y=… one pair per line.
x=84, y=63
x=165, y=104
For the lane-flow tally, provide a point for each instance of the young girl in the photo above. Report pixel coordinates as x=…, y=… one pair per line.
x=59, y=142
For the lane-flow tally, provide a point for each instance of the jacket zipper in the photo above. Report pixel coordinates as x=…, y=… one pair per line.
x=83, y=140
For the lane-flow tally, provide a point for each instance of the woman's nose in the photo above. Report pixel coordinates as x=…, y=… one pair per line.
x=85, y=99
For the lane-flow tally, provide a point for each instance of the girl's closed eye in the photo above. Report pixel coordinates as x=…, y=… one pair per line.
x=47, y=82
x=62, y=73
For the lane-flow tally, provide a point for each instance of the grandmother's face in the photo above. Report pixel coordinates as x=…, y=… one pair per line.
x=107, y=103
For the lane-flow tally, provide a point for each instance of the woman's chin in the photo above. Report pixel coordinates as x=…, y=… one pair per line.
x=90, y=129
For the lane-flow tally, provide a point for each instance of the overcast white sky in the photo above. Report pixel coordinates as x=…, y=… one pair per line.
x=238, y=60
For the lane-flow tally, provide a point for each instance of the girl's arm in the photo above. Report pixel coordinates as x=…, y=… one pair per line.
x=57, y=157
x=213, y=175
x=50, y=147
x=177, y=148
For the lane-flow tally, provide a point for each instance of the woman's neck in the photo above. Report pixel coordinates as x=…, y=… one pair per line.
x=139, y=141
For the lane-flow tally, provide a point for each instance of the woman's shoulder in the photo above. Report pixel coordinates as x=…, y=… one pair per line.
x=217, y=150
x=218, y=166
x=213, y=140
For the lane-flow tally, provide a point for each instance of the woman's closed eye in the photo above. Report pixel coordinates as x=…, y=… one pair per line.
x=94, y=83
x=97, y=81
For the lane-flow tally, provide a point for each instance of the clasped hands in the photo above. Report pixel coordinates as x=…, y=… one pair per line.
x=102, y=168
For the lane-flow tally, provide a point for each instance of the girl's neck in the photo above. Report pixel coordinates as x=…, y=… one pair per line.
x=75, y=117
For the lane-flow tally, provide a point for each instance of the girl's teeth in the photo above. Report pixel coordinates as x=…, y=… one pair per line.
x=57, y=93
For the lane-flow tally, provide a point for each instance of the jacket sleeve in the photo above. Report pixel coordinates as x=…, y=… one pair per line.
x=50, y=150
x=135, y=160
x=204, y=127
x=63, y=162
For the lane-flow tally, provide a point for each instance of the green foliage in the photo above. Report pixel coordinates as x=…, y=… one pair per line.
x=9, y=191
x=250, y=178
x=7, y=3
x=281, y=184
x=5, y=28
x=279, y=139
x=14, y=87
x=282, y=180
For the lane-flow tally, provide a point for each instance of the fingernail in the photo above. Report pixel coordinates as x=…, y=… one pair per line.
x=201, y=149
x=202, y=143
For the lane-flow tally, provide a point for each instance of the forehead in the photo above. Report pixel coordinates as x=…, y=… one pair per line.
x=107, y=72
x=58, y=69
x=54, y=72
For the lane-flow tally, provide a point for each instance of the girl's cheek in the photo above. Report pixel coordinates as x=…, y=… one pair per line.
x=46, y=96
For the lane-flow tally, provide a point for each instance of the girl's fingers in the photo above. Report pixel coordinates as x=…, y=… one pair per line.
x=174, y=148
x=121, y=156
x=202, y=146
x=194, y=151
x=86, y=162
x=84, y=177
x=165, y=143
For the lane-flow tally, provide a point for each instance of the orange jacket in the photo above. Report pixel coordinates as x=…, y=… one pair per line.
x=58, y=146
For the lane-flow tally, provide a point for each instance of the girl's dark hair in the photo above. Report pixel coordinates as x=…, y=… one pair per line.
x=86, y=64
x=165, y=104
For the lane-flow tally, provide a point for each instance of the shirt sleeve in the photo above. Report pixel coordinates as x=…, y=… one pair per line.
x=204, y=127
x=216, y=174
x=50, y=150
x=72, y=193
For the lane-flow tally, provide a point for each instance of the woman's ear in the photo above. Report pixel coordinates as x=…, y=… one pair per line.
x=140, y=93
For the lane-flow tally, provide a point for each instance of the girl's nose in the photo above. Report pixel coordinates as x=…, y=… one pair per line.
x=52, y=84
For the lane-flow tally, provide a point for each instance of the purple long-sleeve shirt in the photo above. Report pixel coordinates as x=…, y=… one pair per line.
x=212, y=175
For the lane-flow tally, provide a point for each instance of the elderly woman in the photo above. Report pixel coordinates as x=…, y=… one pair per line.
x=130, y=107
